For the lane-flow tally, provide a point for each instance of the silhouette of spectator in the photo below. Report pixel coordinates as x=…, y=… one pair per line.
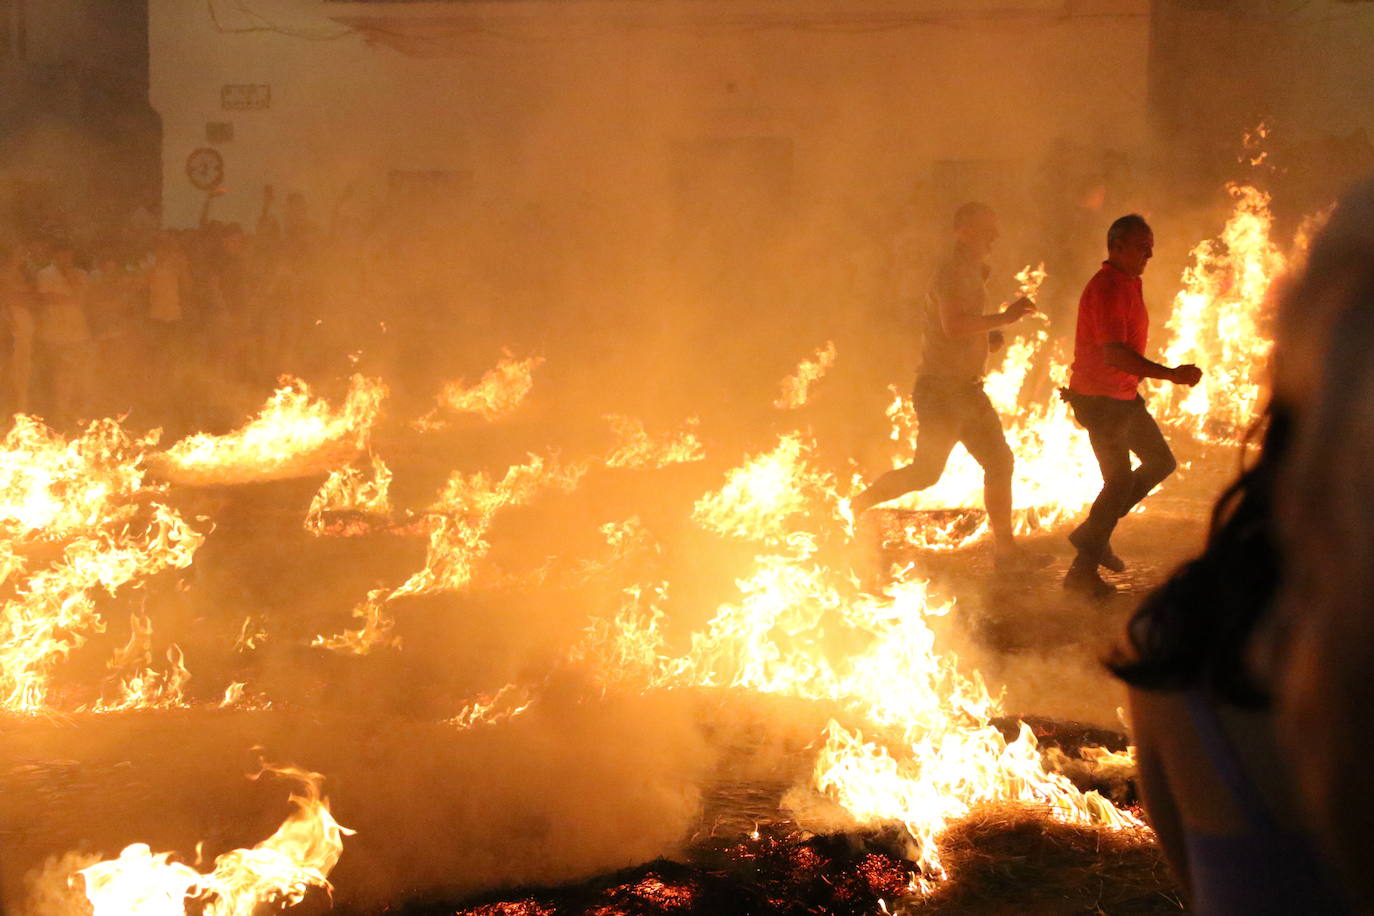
x=1324, y=633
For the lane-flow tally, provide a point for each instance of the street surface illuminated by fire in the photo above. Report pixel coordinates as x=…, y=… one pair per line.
x=721, y=658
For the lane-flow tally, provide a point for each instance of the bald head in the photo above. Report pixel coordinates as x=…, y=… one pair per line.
x=975, y=227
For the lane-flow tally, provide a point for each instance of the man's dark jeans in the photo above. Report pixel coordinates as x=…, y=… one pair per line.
x=1116, y=429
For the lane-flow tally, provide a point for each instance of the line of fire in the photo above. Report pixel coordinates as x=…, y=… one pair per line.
x=627, y=457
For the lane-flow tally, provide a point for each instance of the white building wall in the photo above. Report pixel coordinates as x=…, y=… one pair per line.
x=533, y=110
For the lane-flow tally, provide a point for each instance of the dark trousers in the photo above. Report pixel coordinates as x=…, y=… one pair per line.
x=1117, y=429
x=949, y=412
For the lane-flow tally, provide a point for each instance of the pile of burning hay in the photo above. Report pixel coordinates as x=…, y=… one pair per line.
x=1002, y=859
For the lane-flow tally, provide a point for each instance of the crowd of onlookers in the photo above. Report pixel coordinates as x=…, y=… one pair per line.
x=144, y=319
x=187, y=328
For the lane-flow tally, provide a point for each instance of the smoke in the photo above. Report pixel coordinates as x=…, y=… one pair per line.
x=672, y=214
x=674, y=210
x=49, y=888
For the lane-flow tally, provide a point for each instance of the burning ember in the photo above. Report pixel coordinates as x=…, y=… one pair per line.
x=351, y=490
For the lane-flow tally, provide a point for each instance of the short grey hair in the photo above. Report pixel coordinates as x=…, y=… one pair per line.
x=1126, y=226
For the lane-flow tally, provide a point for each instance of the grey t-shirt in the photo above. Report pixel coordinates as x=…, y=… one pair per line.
x=961, y=279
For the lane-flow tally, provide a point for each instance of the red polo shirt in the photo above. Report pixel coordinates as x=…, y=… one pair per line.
x=1111, y=310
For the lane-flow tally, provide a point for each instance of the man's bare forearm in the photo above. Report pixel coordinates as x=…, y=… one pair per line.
x=965, y=325
x=1120, y=356
x=959, y=324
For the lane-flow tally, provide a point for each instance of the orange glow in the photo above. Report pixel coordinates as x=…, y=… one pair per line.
x=796, y=388
x=295, y=433
x=278, y=872
x=87, y=495
x=635, y=448
x=1221, y=322
x=350, y=489
x=910, y=738
x=499, y=392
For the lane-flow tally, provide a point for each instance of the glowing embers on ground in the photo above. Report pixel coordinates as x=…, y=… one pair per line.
x=1007, y=858
x=295, y=433
x=763, y=874
x=76, y=520
x=279, y=872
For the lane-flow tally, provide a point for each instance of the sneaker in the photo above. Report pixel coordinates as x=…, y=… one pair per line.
x=1084, y=580
x=1019, y=559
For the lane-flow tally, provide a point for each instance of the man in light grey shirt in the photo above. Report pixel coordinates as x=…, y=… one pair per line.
x=951, y=406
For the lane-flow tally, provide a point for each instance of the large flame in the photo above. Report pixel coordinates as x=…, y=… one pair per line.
x=931, y=751
x=1221, y=321
x=88, y=496
x=277, y=872
x=499, y=392
x=294, y=434
x=1054, y=464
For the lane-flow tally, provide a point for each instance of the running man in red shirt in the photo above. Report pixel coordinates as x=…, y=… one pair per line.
x=1108, y=364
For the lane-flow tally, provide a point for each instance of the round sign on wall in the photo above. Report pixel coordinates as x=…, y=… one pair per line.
x=205, y=168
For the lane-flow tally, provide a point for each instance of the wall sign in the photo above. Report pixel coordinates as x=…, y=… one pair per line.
x=245, y=97
x=205, y=168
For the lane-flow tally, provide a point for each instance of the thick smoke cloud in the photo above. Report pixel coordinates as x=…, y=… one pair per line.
x=672, y=211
